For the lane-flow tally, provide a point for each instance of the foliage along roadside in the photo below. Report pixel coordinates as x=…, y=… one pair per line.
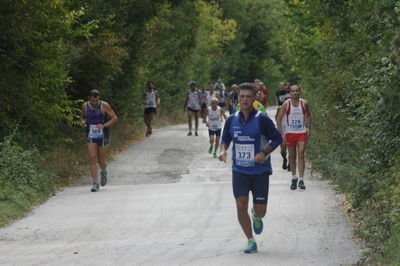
x=347, y=56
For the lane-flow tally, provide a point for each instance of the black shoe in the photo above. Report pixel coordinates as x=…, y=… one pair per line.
x=195, y=133
x=288, y=167
x=301, y=185
x=293, y=186
x=103, y=180
x=189, y=134
x=284, y=165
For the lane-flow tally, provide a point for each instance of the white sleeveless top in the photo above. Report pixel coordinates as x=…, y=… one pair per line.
x=295, y=122
x=193, y=102
x=150, y=98
x=214, y=118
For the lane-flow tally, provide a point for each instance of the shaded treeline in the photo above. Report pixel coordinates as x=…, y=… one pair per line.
x=54, y=51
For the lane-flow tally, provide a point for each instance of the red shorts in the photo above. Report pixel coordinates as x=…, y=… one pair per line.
x=293, y=138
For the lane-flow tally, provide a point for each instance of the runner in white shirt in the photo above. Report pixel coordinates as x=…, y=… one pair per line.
x=298, y=125
x=150, y=100
x=214, y=115
x=192, y=106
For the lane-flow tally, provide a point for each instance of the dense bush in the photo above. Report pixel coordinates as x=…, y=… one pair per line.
x=347, y=57
x=22, y=182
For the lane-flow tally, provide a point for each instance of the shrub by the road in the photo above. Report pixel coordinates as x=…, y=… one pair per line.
x=22, y=182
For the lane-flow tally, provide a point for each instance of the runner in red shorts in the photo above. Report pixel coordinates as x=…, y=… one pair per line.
x=298, y=125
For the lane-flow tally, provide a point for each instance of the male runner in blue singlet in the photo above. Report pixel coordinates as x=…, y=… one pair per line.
x=97, y=116
x=254, y=137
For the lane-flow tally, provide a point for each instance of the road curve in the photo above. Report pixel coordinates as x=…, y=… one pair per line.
x=168, y=202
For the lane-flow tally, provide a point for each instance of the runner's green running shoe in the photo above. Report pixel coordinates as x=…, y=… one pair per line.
x=103, y=180
x=215, y=155
x=251, y=247
x=210, y=150
x=257, y=223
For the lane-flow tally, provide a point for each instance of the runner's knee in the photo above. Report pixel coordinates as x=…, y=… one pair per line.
x=241, y=204
x=93, y=158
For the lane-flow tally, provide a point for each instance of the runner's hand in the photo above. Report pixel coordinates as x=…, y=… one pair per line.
x=222, y=157
x=260, y=157
x=83, y=123
x=100, y=126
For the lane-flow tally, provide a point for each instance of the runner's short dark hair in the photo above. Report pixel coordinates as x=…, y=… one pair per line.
x=248, y=86
x=150, y=81
x=94, y=93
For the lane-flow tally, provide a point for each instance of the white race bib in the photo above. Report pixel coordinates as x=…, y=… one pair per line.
x=95, y=133
x=296, y=121
x=244, y=155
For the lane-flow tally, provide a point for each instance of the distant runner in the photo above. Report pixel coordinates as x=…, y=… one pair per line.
x=192, y=106
x=214, y=115
x=281, y=97
x=203, y=101
x=251, y=133
x=298, y=126
x=263, y=93
x=150, y=100
x=97, y=116
x=233, y=98
x=281, y=94
x=211, y=95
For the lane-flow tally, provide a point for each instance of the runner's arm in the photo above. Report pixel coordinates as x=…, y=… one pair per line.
x=186, y=101
x=205, y=119
x=223, y=114
x=280, y=115
x=157, y=98
x=225, y=140
x=269, y=130
x=111, y=114
x=144, y=98
x=308, y=117
x=83, y=115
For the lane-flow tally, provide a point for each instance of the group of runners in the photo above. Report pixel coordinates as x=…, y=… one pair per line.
x=252, y=133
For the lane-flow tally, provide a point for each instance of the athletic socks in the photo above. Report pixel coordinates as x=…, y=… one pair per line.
x=294, y=177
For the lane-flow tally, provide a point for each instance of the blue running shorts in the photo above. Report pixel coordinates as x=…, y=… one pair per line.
x=258, y=184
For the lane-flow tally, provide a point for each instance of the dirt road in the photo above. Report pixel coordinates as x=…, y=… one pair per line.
x=168, y=202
